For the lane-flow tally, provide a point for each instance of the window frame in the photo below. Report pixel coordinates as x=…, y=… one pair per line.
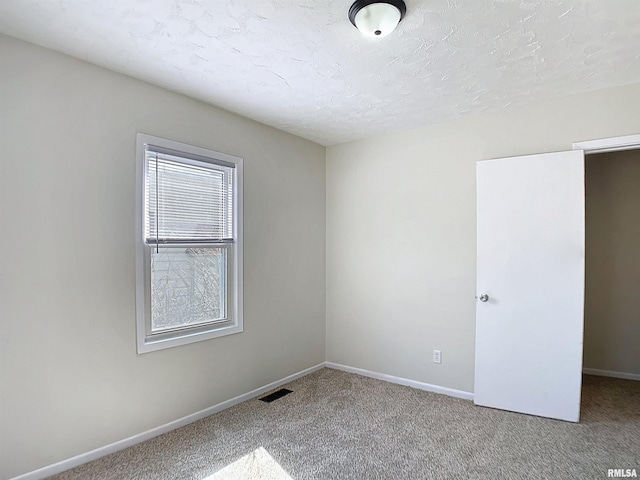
x=146, y=340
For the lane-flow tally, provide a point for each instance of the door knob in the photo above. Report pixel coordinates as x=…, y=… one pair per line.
x=484, y=297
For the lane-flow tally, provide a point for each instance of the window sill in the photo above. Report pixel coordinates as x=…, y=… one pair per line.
x=150, y=344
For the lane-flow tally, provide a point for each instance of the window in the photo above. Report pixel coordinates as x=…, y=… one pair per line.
x=188, y=245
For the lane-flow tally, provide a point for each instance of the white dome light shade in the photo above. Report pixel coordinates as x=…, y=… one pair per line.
x=377, y=18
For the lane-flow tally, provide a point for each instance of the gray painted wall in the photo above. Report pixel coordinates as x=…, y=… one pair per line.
x=612, y=283
x=70, y=377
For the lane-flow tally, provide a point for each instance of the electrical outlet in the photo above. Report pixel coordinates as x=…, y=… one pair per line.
x=437, y=356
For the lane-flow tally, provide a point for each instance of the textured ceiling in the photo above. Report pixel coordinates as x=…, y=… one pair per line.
x=300, y=66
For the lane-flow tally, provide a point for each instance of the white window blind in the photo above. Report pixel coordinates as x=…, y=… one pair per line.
x=188, y=199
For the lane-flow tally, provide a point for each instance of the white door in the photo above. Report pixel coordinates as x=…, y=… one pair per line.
x=530, y=281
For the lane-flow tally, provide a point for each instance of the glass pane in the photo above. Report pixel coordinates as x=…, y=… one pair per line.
x=187, y=287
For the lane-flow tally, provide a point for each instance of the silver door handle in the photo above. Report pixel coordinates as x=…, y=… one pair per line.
x=484, y=297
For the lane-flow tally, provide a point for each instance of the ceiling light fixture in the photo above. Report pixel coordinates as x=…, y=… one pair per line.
x=377, y=18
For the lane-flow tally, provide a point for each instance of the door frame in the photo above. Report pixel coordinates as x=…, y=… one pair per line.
x=613, y=144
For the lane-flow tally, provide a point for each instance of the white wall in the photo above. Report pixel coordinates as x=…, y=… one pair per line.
x=401, y=230
x=70, y=378
x=612, y=284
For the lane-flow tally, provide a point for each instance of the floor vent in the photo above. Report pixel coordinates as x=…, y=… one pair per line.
x=276, y=395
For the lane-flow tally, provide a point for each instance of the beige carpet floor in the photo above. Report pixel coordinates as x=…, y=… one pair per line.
x=337, y=425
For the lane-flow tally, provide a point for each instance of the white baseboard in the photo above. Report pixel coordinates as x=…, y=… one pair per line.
x=609, y=373
x=154, y=432
x=403, y=381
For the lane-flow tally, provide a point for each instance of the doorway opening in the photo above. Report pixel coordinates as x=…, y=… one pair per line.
x=612, y=264
x=611, y=357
